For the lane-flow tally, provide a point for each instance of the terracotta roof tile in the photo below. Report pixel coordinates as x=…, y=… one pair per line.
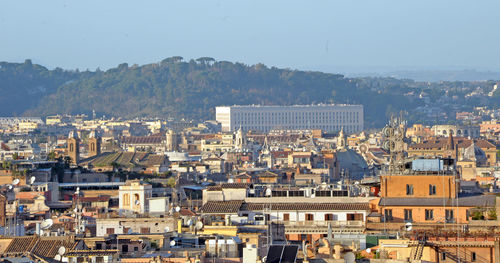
x=143, y=140
x=441, y=142
x=305, y=206
x=28, y=195
x=213, y=207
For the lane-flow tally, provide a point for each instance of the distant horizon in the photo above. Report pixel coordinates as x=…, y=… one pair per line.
x=394, y=72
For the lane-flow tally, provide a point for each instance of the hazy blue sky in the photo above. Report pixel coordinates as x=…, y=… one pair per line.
x=350, y=35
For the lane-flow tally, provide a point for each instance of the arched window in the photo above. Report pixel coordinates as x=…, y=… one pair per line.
x=136, y=198
x=92, y=147
x=71, y=147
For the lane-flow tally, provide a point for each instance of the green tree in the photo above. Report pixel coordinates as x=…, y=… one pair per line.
x=171, y=182
x=51, y=156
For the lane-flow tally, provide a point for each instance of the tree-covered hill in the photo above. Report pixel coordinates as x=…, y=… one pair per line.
x=176, y=88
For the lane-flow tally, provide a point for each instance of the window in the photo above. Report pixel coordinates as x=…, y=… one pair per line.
x=110, y=231
x=328, y=217
x=429, y=214
x=144, y=230
x=443, y=256
x=409, y=189
x=286, y=217
x=136, y=199
x=309, y=217
x=126, y=199
x=354, y=217
x=449, y=216
x=473, y=256
x=388, y=215
x=408, y=215
x=432, y=189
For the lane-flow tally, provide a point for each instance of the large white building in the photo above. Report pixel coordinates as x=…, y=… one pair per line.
x=328, y=118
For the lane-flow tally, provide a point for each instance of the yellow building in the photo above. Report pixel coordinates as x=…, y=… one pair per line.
x=134, y=195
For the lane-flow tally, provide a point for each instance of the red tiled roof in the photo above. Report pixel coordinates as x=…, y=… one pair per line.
x=213, y=207
x=102, y=198
x=306, y=206
x=441, y=142
x=280, y=154
x=28, y=195
x=186, y=212
x=143, y=139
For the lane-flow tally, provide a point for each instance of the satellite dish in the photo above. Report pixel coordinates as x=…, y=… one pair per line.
x=177, y=208
x=61, y=250
x=349, y=257
x=408, y=226
x=231, y=180
x=368, y=250
x=167, y=229
x=313, y=195
x=269, y=192
x=137, y=202
x=199, y=225
x=46, y=224
x=10, y=187
x=77, y=192
x=57, y=257
x=172, y=243
x=190, y=222
x=129, y=231
x=15, y=182
x=32, y=179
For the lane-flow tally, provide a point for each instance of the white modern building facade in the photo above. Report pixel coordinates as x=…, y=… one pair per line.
x=329, y=117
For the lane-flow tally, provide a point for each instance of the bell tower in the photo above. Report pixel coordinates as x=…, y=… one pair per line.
x=94, y=144
x=73, y=149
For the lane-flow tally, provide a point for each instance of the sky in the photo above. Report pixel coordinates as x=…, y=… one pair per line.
x=332, y=36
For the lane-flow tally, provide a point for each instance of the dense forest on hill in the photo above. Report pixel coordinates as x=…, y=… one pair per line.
x=192, y=89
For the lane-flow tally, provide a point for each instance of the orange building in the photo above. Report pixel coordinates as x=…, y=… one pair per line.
x=430, y=196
